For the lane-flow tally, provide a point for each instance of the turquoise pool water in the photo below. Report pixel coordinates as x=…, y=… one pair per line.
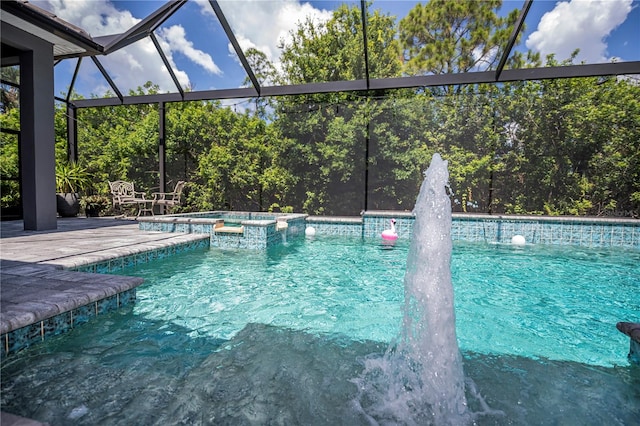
x=277, y=336
x=534, y=301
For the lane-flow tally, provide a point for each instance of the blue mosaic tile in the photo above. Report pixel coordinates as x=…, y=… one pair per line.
x=24, y=337
x=108, y=304
x=627, y=240
x=129, y=261
x=616, y=236
x=102, y=268
x=490, y=230
x=57, y=324
x=141, y=258
x=127, y=298
x=83, y=314
x=115, y=264
x=4, y=346
x=87, y=268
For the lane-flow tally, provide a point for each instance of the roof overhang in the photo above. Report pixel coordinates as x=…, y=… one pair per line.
x=68, y=40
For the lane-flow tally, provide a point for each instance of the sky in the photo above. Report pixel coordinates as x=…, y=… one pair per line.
x=203, y=59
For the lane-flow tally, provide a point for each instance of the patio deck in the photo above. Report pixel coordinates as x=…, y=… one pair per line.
x=36, y=283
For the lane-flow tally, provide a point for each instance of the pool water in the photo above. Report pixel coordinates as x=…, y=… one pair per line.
x=556, y=303
x=277, y=336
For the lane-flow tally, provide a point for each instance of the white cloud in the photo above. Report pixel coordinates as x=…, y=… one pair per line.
x=265, y=25
x=137, y=63
x=579, y=24
x=262, y=24
x=176, y=38
x=97, y=17
x=483, y=59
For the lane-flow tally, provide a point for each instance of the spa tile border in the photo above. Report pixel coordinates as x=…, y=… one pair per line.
x=569, y=231
x=336, y=225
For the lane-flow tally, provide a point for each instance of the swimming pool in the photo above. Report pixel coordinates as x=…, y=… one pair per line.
x=237, y=337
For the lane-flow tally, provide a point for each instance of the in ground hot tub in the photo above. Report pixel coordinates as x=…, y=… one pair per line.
x=228, y=229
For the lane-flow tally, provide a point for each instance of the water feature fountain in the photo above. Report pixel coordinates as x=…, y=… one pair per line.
x=420, y=380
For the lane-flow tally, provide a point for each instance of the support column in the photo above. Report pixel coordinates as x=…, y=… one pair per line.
x=366, y=166
x=162, y=155
x=37, y=141
x=72, y=133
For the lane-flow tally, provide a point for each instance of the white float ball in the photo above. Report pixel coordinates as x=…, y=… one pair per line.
x=310, y=231
x=518, y=240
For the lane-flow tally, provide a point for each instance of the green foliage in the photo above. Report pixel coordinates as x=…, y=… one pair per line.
x=555, y=147
x=120, y=142
x=9, y=160
x=443, y=36
x=95, y=202
x=333, y=51
x=71, y=177
x=275, y=207
x=9, y=94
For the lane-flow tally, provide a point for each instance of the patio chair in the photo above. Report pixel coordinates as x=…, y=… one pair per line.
x=124, y=194
x=169, y=199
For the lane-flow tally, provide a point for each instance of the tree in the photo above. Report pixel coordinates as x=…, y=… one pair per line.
x=333, y=51
x=120, y=142
x=613, y=119
x=567, y=146
x=9, y=160
x=402, y=142
x=240, y=169
x=570, y=140
x=267, y=75
x=444, y=36
x=331, y=129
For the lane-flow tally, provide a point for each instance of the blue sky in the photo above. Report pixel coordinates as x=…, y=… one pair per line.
x=202, y=57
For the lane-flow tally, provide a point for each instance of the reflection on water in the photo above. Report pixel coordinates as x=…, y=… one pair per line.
x=275, y=375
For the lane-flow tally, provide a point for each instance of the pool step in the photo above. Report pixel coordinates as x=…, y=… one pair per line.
x=40, y=301
x=220, y=227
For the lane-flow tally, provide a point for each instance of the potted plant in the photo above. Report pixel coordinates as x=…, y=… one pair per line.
x=70, y=179
x=93, y=205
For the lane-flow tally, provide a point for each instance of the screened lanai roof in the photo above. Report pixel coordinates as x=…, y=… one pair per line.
x=198, y=49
